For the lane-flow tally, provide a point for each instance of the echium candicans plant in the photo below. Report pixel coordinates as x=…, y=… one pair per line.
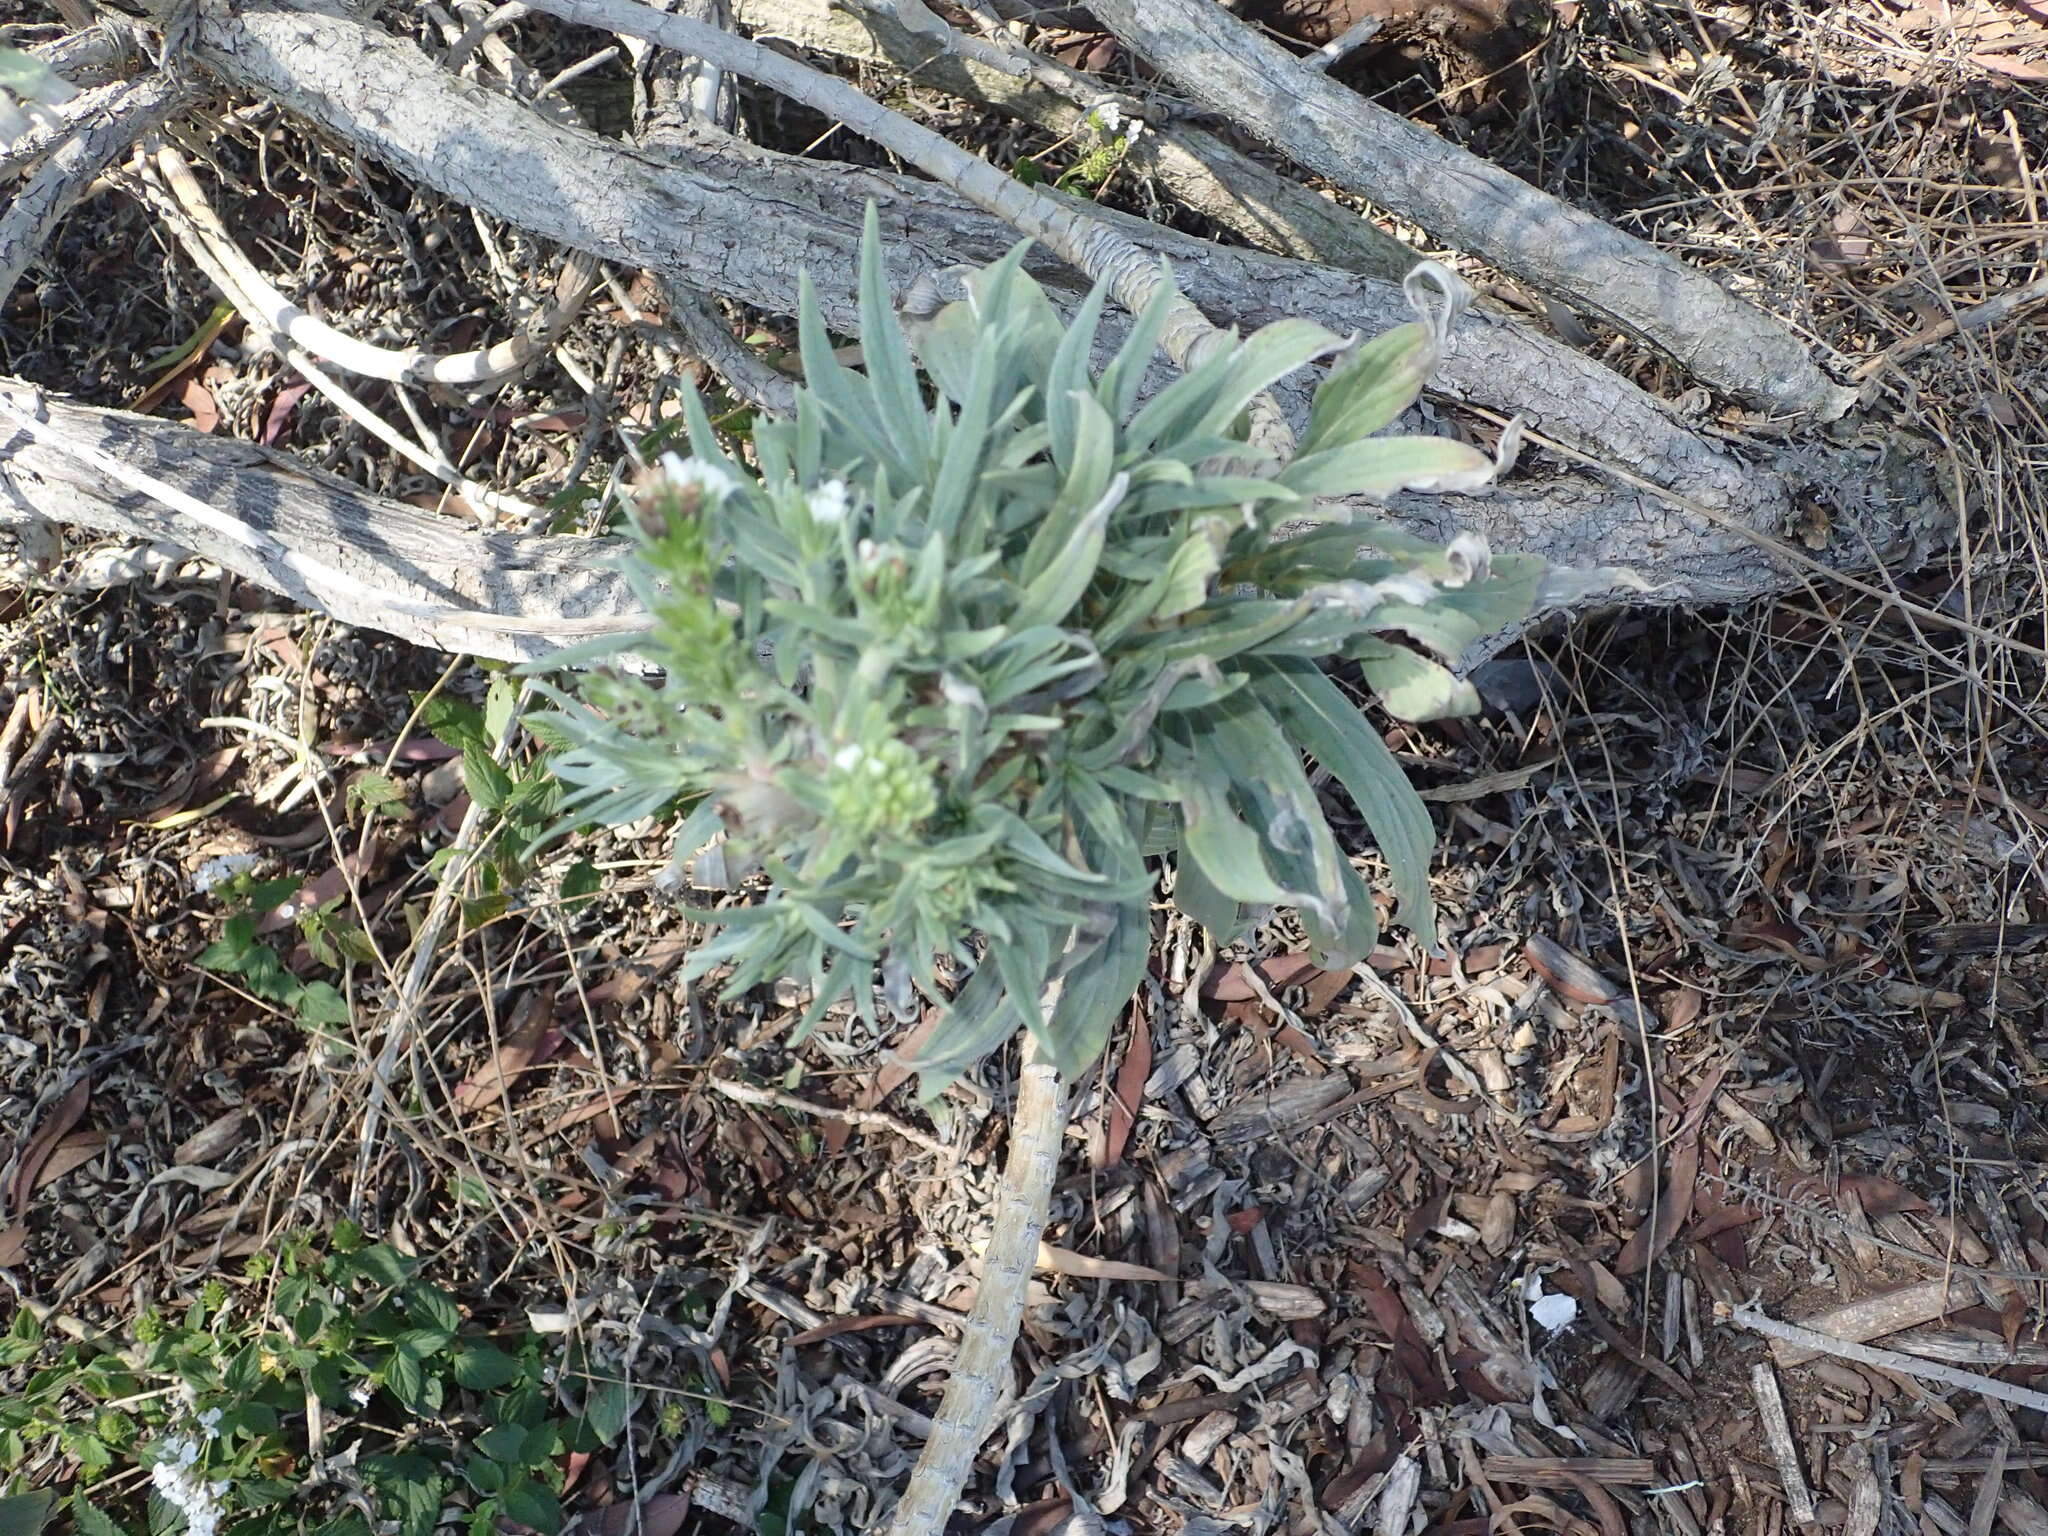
x=961, y=652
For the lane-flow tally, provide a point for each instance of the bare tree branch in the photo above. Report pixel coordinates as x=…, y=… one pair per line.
x=1197, y=169
x=320, y=541
x=1235, y=71
x=105, y=121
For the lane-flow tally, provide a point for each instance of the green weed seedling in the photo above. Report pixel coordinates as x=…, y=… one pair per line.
x=328, y=1390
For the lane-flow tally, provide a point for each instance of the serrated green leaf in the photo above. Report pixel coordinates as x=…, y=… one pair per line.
x=532, y=1504
x=485, y=1367
x=91, y=1520
x=382, y=1264
x=318, y=1002
x=406, y=1375
x=488, y=784
x=607, y=1405
x=374, y=791
x=25, y=1514
x=453, y=722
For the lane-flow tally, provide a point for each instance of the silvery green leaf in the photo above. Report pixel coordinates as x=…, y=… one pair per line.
x=1179, y=409
x=1330, y=727
x=32, y=79
x=1244, y=742
x=1094, y=992
x=1050, y=598
x=1117, y=389
x=1067, y=381
x=1411, y=686
x=1216, y=838
x=1381, y=466
x=1196, y=897
x=1262, y=360
x=1368, y=387
x=884, y=352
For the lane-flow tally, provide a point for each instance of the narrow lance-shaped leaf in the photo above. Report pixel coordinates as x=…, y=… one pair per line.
x=1318, y=716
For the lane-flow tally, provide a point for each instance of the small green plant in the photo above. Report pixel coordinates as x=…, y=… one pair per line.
x=523, y=798
x=947, y=673
x=330, y=1390
x=950, y=668
x=1109, y=136
x=331, y=941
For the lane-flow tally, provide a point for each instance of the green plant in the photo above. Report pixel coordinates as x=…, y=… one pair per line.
x=523, y=797
x=215, y=1407
x=947, y=671
x=331, y=941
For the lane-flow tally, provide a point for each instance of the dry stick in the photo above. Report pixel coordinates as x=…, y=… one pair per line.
x=866, y=1119
x=1132, y=276
x=1890, y=1360
x=1770, y=1402
x=426, y=957
x=1476, y=205
x=1196, y=168
x=1873, y=1317
x=116, y=116
x=981, y=1369
x=479, y=369
x=204, y=241
x=324, y=543
x=702, y=95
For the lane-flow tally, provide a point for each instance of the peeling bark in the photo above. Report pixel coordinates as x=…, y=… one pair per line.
x=324, y=543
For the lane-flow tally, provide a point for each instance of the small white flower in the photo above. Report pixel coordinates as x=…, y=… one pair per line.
x=215, y=870
x=829, y=502
x=847, y=758
x=197, y=1499
x=1108, y=117
x=710, y=478
x=209, y=1420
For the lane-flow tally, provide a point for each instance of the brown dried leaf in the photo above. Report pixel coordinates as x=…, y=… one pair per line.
x=1065, y=1261
x=533, y=1039
x=1120, y=1108
x=68, y=1111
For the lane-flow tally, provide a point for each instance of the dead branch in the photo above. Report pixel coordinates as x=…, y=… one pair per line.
x=318, y=540
x=1401, y=165
x=103, y=122
x=1195, y=168
x=701, y=225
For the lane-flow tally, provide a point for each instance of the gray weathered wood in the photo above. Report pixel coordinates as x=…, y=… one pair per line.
x=319, y=540
x=1247, y=78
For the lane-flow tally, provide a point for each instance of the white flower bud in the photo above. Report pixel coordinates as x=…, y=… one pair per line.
x=709, y=478
x=829, y=503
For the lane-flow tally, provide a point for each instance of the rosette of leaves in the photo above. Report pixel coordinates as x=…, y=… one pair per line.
x=984, y=628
